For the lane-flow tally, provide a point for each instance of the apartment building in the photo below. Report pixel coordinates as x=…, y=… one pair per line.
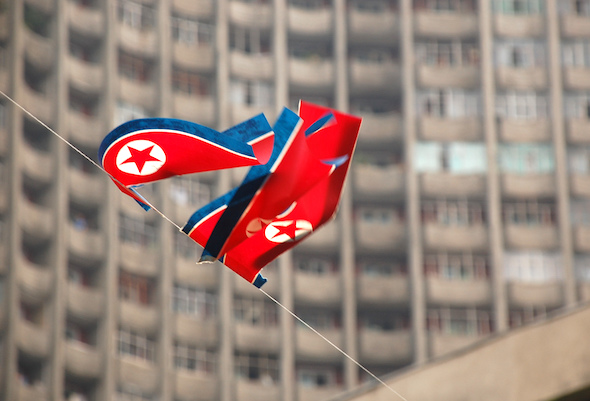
x=467, y=210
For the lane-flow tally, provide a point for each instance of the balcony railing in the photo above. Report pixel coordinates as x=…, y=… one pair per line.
x=192, y=330
x=576, y=78
x=525, y=295
x=448, y=184
x=445, y=25
x=197, y=8
x=364, y=26
x=528, y=185
x=450, y=129
x=138, y=317
x=86, y=20
x=519, y=26
x=257, y=15
x=198, y=386
x=434, y=76
x=521, y=78
x=257, y=338
x=317, y=289
x=85, y=303
x=142, y=375
x=531, y=236
x=537, y=130
x=458, y=292
x=193, y=56
x=455, y=238
x=82, y=360
x=306, y=22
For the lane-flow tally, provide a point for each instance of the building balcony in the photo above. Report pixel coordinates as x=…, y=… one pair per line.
x=32, y=339
x=256, y=390
x=521, y=78
x=577, y=130
x=85, y=303
x=531, y=237
x=138, y=317
x=374, y=78
x=35, y=282
x=259, y=338
x=141, y=374
x=82, y=360
x=204, y=275
x=251, y=66
x=442, y=291
x=311, y=347
x=138, y=259
x=318, y=289
x=192, y=56
x=373, y=27
x=192, y=330
x=582, y=239
x=512, y=130
x=305, y=393
x=242, y=112
x=450, y=129
x=528, y=185
x=243, y=287
x=200, y=109
x=84, y=188
x=46, y=6
x=376, y=182
x=38, y=104
x=580, y=185
x=445, y=25
x=380, y=129
x=86, y=244
x=434, y=76
x=326, y=238
x=31, y=392
x=576, y=78
x=142, y=42
x=385, y=347
x=37, y=165
x=39, y=50
x=312, y=73
x=85, y=20
x=383, y=290
x=36, y=221
x=535, y=294
x=574, y=26
x=196, y=8
x=139, y=93
x=310, y=22
x=255, y=15
x=453, y=185
x=519, y=26
x=438, y=237
x=85, y=130
x=195, y=386
x=442, y=343
x=85, y=77
x=379, y=236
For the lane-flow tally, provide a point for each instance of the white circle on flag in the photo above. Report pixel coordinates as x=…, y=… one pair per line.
x=287, y=230
x=140, y=157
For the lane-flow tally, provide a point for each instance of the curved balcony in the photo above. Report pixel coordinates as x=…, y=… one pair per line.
x=36, y=221
x=32, y=339
x=138, y=41
x=46, y=6
x=82, y=360
x=138, y=373
x=195, y=8
x=310, y=22
x=85, y=20
x=84, y=303
x=38, y=104
x=521, y=78
x=31, y=392
x=372, y=182
x=580, y=185
x=531, y=237
x=251, y=66
x=39, y=50
x=138, y=259
x=464, y=76
x=199, y=57
x=458, y=292
x=200, y=109
x=374, y=78
x=85, y=130
x=317, y=289
x=311, y=73
x=385, y=347
x=528, y=185
x=525, y=130
x=519, y=26
x=312, y=347
x=450, y=129
x=87, y=244
x=582, y=239
x=453, y=185
x=441, y=344
x=37, y=164
x=35, y=282
x=259, y=338
x=577, y=130
x=576, y=78
x=196, y=331
x=326, y=238
x=373, y=27
x=203, y=275
x=445, y=25
x=87, y=189
x=256, y=390
x=139, y=93
x=380, y=129
x=242, y=112
x=84, y=76
x=574, y=26
x=257, y=15
x=305, y=393
x=455, y=238
x=380, y=236
x=197, y=386
x=140, y=318
x=388, y=290
x=528, y=294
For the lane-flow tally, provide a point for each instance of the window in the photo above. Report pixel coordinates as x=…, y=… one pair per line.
x=445, y=53
x=448, y=103
x=251, y=93
x=453, y=213
x=381, y=268
x=526, y=158
x=77, y=333
x=185, y=247
x=580, y=212
x=131, y=395
x=577, y=105
x=136, y=15
x=191, y=83
x=250, y=40
x=383, y=216
x=318, y=266
x=522, y=105
x=127, y=111
x=137, y=231
x=454, y=157
x=190, y=357
x=317, y=376
x=582, y=266
x=520, y=53
x=529, y=213
x=375, y=321
x=133, y=67
x=257, y=367
x=186, y=190
x=519, y=317
x=519, y=7
x=136, y=345
x=532, y=267
x=310, y=4
x=320, y=319
x=256, y=312
x=459, y=322
x=576, y=53
x=457, y=266
x=374, y=55
x=135, y=288
x=579, y=159
x=373, y=6
x=196, y=302
x=190, y=31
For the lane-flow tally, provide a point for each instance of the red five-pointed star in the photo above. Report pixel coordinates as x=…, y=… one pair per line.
x=288, y=229
x=140, y=157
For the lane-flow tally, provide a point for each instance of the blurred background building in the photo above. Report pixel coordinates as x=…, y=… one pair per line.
x=467, y=210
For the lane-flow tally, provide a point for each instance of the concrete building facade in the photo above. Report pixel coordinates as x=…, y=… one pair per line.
x=467, y=210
